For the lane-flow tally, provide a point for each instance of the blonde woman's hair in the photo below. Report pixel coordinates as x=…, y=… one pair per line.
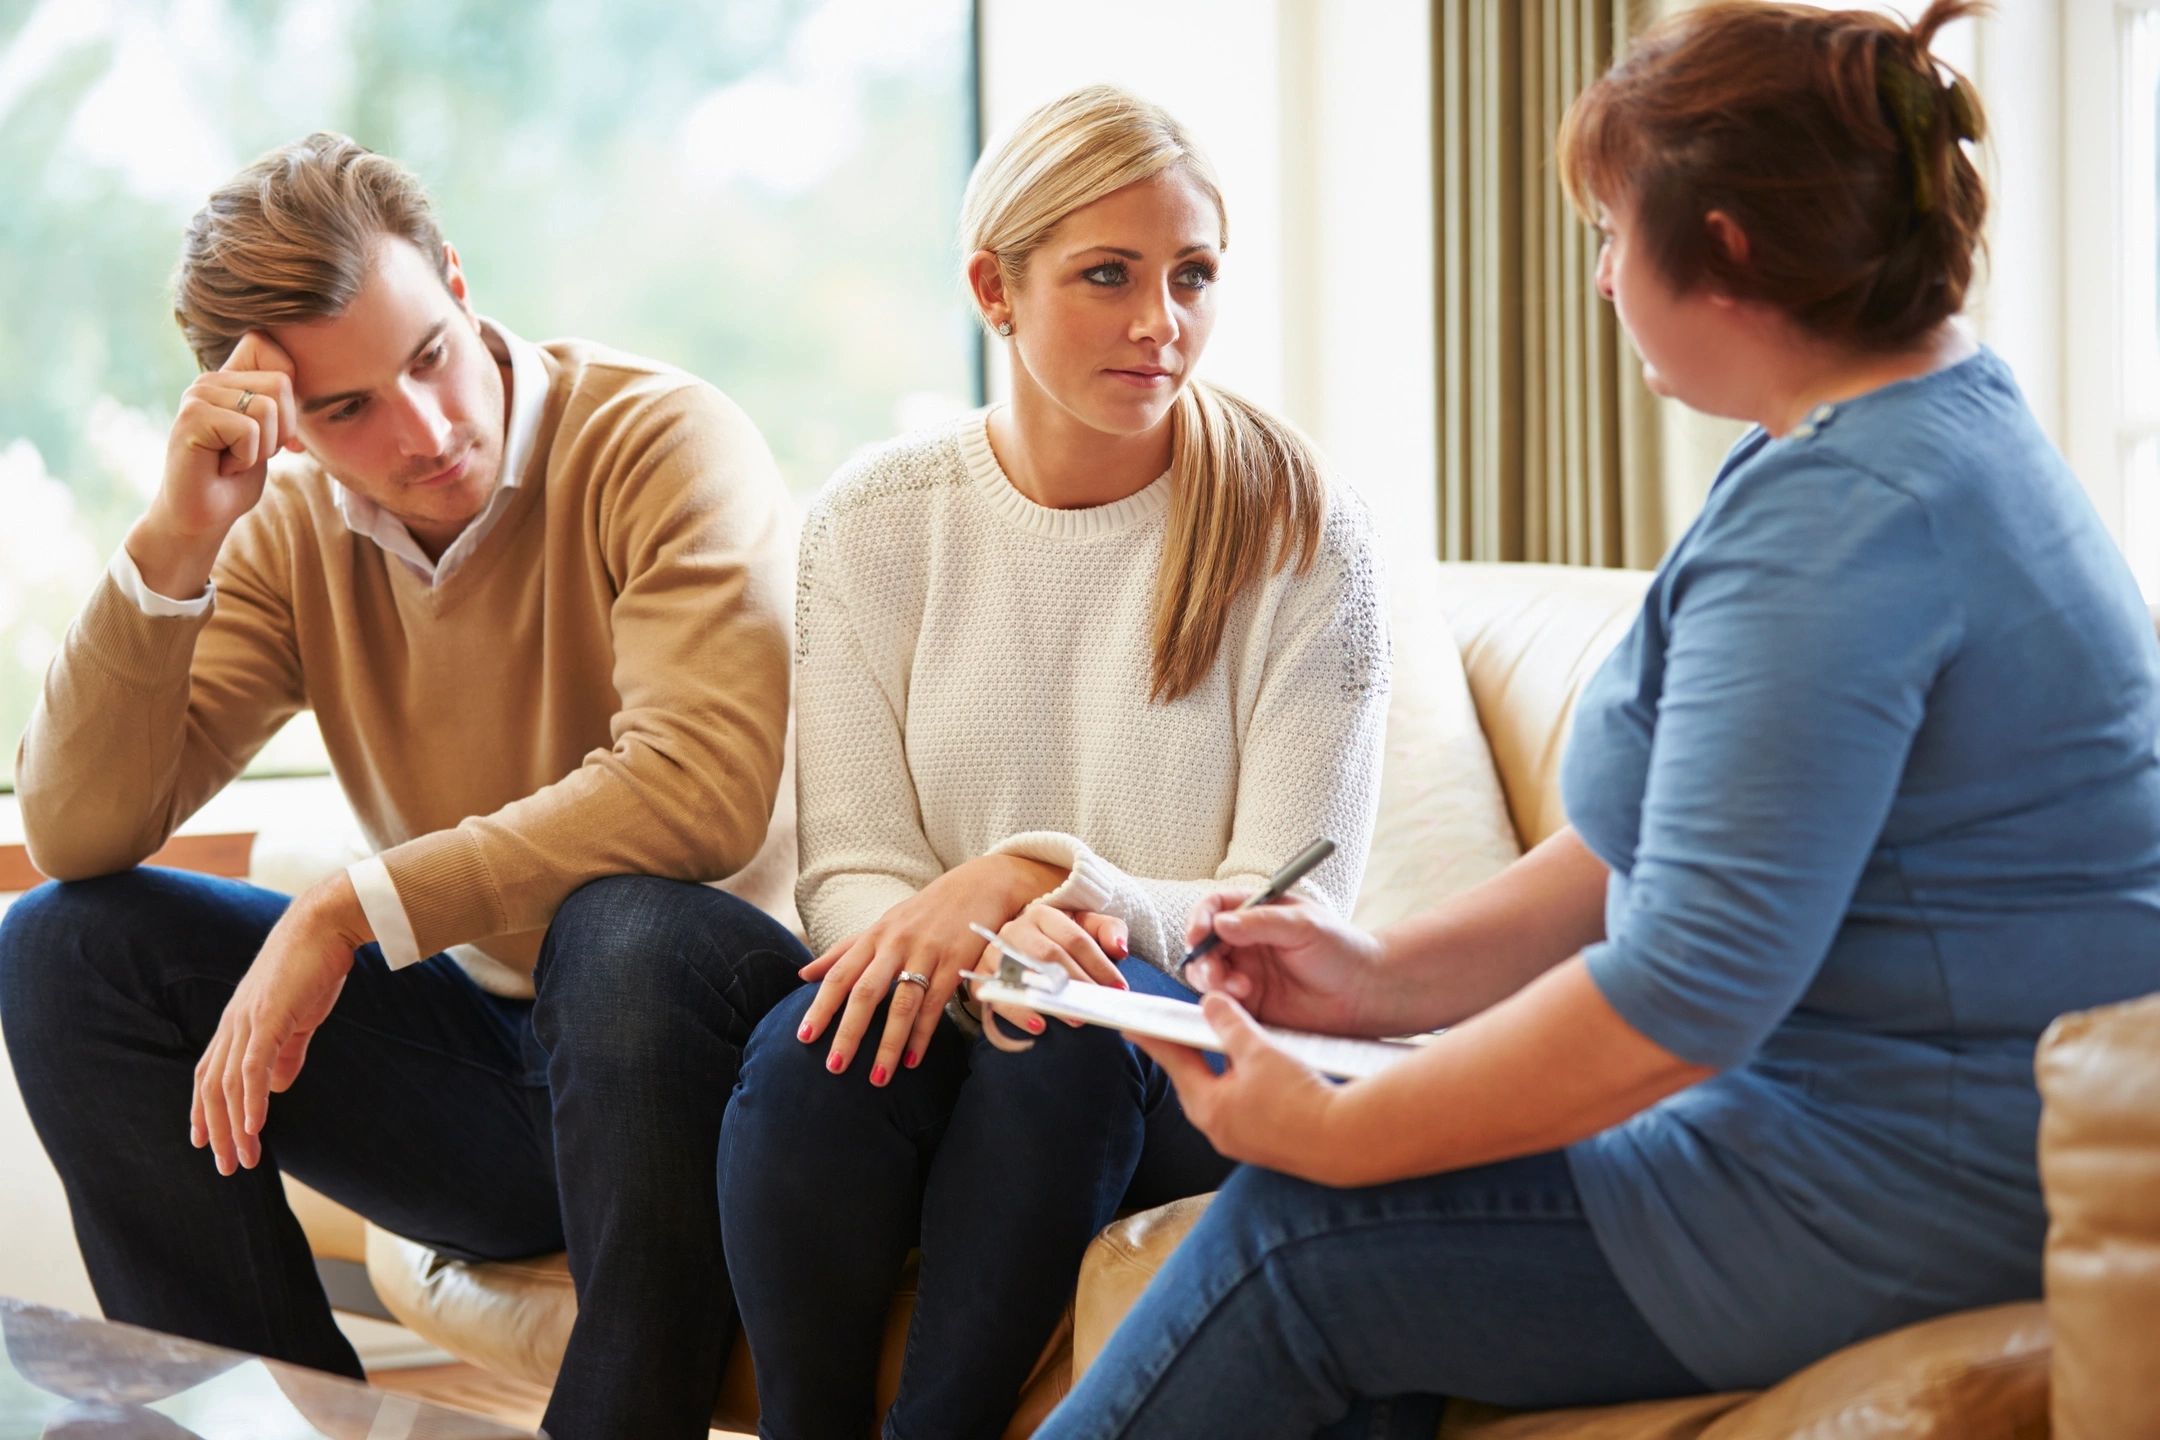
x=1248, y=494
x=291, y=239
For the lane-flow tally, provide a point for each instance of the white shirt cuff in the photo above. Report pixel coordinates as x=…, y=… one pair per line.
x=163, y=607
x=385, y=912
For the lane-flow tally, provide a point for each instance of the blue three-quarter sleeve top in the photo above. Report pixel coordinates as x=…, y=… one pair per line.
x=1875, y=774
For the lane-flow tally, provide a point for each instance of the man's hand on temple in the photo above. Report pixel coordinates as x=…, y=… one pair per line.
x=262, y=1039
x=230, y=422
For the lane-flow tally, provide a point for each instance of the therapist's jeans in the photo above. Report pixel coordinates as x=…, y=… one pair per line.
x=1002, y=1167
x=487, y=1128
x=1297, y=1310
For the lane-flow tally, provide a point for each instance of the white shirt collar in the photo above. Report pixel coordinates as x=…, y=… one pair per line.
x=528, y=397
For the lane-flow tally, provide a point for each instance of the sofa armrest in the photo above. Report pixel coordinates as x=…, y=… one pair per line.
x=2099, y=1077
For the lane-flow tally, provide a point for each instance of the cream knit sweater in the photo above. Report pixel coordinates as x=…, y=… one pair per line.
x=972, y=676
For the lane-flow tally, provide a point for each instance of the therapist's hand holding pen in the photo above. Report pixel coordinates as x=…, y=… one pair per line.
x=1287, y=961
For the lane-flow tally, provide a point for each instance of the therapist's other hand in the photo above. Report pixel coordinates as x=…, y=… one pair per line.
x=1265, y=1109
x=1293, y=963
x=262, y=1038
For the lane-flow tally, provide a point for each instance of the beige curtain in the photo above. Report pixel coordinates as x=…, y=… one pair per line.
x=1548, y=440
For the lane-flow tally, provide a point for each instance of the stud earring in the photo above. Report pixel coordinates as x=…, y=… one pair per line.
x=1004, y=327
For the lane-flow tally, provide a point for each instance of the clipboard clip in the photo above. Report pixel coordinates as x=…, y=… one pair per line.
x=1020, y=972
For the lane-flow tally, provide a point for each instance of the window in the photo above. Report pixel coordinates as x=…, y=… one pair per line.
x=763, y=192
x=2112, y=267
x=2137, y=341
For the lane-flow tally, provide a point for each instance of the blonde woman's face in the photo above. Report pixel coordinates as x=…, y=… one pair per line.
x=1118, y=303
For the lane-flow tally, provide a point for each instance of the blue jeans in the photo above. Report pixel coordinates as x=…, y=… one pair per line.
x=1000, y=1167
x=586, y=1119
x=1293, y=1309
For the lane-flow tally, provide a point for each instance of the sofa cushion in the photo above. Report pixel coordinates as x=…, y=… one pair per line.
x=333, y=1232
x=513, y=1317
x=1117, y=1267
x=1443, y=824
x=1975, y=1375
x=2099, y=1075
x=1530, y=637
x=1683, y=1419
x=1979, y=1375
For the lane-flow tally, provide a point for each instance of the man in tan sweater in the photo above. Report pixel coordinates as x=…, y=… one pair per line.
x=537, y=597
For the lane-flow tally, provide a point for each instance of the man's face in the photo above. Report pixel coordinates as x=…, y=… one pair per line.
x=400, y=399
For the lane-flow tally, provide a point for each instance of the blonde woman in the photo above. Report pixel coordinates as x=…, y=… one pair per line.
x=1064, y=668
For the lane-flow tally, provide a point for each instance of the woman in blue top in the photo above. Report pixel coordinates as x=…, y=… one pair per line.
x=1741, y=1066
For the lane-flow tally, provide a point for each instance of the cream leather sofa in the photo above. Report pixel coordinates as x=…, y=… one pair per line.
x=1529, y=636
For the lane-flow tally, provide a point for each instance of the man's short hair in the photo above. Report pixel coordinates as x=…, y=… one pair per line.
x=291, y=238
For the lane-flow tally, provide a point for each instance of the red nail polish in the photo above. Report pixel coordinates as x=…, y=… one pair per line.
x=836, y=1062
x=1035, y=1024
x=908, y=1059
x=877, y=1075
x=804, y=1033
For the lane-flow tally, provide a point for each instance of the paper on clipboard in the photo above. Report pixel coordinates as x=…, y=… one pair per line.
x=1180, y=1021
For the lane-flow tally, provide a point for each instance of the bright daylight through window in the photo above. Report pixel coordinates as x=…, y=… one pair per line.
x=2139, y=403
x=762, y=191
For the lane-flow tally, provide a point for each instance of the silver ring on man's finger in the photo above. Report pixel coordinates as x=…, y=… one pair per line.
x=909, y=977
x=247, y=398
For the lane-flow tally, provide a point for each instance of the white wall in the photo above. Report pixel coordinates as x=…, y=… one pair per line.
x=1359, y=247
x=1033, y=53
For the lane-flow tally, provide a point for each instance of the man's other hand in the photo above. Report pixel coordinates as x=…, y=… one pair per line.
x=262, y=1039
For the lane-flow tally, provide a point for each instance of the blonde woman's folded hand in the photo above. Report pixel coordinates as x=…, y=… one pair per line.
x=926, y=939
x=1083, y=943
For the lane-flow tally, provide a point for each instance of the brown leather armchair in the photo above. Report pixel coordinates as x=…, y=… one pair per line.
x=1529, y=637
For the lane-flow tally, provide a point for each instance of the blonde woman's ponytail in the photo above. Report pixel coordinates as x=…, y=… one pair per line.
x=1248, y=498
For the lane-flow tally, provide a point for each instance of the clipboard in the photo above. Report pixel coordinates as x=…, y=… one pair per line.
x=1028, y=984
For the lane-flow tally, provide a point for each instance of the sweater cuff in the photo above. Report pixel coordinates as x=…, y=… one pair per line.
x=449, y=894
x=385, y=912
x=1092, y=880
x=128, y=576
x=134, y=647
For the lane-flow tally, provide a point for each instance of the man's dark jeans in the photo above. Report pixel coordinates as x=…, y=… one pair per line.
x=587, y=1119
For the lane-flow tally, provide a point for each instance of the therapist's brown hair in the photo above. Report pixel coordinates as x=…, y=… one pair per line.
x=1833, y=139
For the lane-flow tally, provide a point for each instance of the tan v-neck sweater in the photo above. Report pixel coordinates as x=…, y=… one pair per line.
x=602, y=689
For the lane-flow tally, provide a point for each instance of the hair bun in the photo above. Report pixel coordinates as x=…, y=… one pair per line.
x=1965, y=121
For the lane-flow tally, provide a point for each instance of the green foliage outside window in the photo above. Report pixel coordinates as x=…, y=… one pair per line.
x=760, y=191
